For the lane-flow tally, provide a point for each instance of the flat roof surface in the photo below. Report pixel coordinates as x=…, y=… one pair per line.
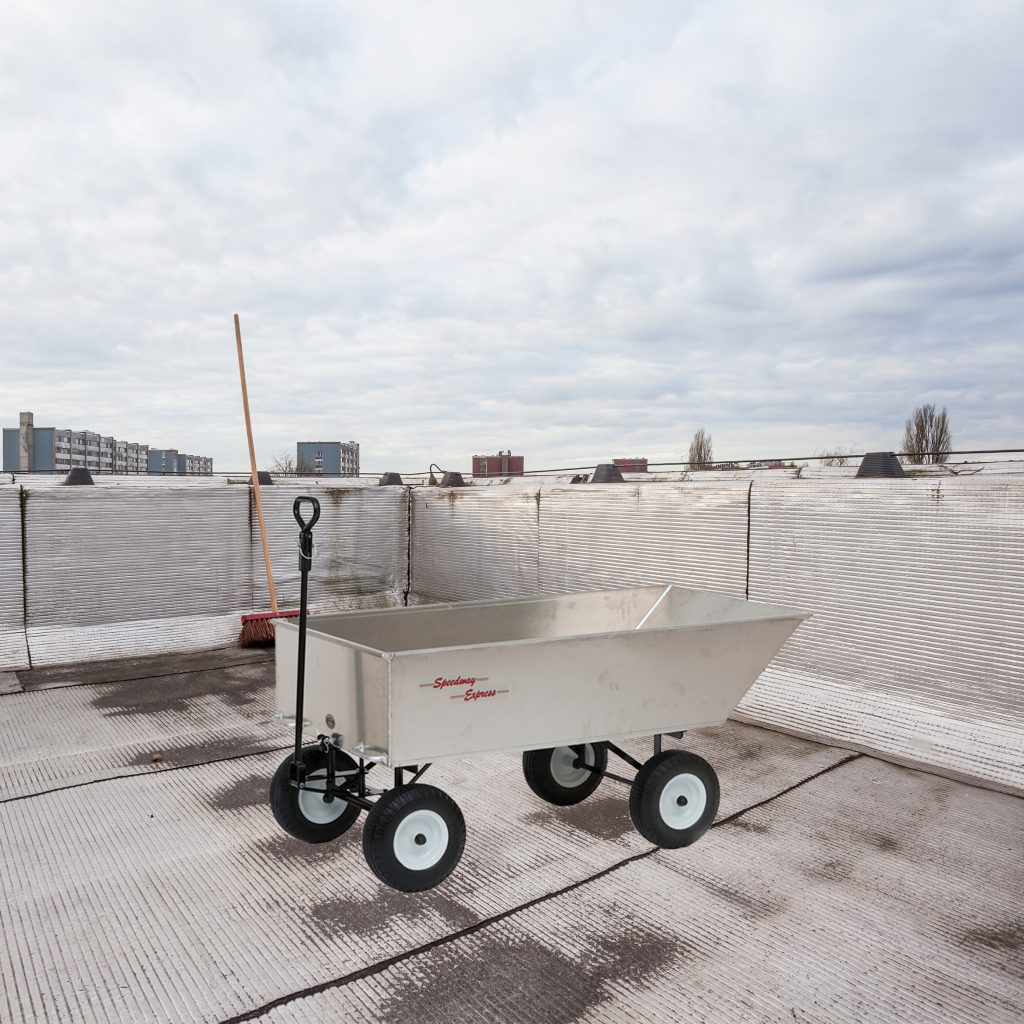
x=833, y=886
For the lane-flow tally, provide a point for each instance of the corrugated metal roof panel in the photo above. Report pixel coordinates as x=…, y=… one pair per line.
x=361, y=557
x=13, y=648
x=619, y=535
x=501, y=542
x=118, y=572
x=474, y=544
x=917, y=590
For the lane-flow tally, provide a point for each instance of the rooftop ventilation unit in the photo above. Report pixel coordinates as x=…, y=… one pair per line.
x=880, y=464
x=391, y=480
x=78, y=477
x=452, y=479
x=607, y=473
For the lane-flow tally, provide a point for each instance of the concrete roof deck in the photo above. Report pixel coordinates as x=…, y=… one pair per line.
x=834, y=886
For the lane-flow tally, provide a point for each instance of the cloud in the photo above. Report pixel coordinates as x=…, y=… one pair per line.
x=577, y=230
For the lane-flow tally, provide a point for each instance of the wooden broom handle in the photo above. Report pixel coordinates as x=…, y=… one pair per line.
x=255, y=473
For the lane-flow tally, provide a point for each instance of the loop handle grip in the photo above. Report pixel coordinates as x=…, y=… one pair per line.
x=297, y=512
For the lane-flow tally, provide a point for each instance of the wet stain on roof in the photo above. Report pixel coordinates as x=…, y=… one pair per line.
x=601, y=817
x=240, y=686
x=249, y=791
x=507, y=976
x=379, y=913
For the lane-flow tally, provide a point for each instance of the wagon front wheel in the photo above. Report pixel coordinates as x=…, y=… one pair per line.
x=674, y=798
x=559, y=775
x=305, y=813
x=413, y=837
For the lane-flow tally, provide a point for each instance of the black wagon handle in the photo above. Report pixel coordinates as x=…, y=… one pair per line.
x=297, y=772
x=297, y=512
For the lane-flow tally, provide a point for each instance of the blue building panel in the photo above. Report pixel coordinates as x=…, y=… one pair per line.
x=43, y=455
x=163, y=461
x=316, y=457
x=11, y=435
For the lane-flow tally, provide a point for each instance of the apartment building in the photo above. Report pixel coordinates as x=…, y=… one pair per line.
x=28, y=448
x=327, y=458
x=502, y=464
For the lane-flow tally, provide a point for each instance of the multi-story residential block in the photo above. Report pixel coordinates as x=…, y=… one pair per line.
x=327, y=458
x=28, y=448
x=195, y=465
x=502, y=464
x=130, y=457
x=634, y=465
x=163, y=461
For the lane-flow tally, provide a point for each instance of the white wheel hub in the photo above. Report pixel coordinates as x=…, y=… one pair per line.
x=682, y=801
x=421, y=840
x=564, y=769
x=312, y=804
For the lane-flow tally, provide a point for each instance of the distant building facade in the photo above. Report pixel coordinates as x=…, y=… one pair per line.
x=31, y=449
x=327, y=458
x=163, y=461
x=169, y=461
x=637, y=465
x=195, y=465
x=502, y=464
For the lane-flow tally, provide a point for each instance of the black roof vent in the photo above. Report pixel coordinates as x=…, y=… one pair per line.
x=607, y=473
x=391, y=480
x=77, y=477
x=880, y=464
x=264, y=478
x=452, y=479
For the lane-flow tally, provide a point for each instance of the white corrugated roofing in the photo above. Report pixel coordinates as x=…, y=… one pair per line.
x=831, y=888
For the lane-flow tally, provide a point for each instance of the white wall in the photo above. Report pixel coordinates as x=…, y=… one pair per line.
x=118, y=571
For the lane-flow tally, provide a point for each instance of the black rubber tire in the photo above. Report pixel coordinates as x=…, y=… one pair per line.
x=284, y=799
x=382, y=828
x=537, y=769
x=649, y=785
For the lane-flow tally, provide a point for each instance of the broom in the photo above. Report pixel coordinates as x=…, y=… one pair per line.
x=257, y=629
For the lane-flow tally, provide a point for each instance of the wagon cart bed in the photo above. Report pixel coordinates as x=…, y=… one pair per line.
x=559, y=678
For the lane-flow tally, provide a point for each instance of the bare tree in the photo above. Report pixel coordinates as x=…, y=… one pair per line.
x=835, y=456
x=926, y=436
x=284, y=464
x=700, y=450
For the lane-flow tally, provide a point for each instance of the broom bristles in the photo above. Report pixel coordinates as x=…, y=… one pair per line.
x=256, y=633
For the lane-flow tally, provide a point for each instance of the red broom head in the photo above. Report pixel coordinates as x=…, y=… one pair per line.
x=258, y=629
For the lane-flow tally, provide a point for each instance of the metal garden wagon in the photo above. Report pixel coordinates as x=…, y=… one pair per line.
x=561, y=679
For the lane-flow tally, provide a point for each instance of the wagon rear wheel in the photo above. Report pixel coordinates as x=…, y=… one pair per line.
x=674, y=798
x=558, y=775
x=413, y=837
x=304, y=813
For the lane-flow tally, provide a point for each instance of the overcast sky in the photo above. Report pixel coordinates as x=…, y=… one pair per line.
x=576, y=230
